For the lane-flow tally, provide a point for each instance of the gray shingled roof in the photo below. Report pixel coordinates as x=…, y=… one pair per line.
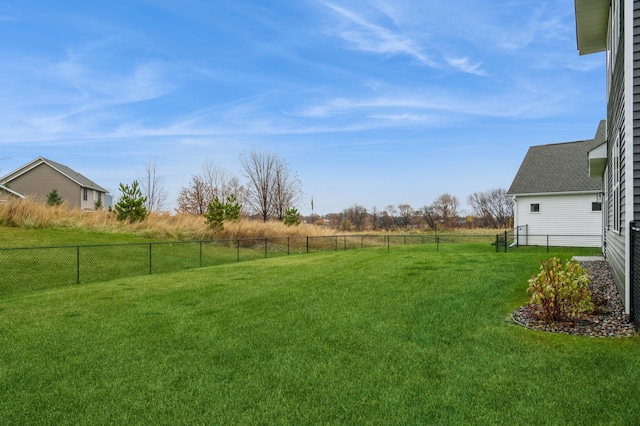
x=560, y=167
x=82, y=180
x=67, y=171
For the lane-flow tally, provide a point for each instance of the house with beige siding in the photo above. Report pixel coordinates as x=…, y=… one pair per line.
x=7, y=194
x=613, y=27
x=41, y=176
x=555, y=201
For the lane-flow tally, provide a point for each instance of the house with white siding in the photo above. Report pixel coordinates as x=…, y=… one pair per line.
x=555, y=201
x=613, y=27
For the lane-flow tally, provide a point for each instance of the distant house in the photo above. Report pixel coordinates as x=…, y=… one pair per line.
x=556, y=202
x=41, y=176
x=8, y=193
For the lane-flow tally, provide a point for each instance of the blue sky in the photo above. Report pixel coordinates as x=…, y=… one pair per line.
x=372, y=102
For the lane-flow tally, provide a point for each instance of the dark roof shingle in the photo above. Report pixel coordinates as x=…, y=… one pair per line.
x=560, y=167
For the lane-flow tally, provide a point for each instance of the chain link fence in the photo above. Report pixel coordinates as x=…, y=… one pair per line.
x=31, y=268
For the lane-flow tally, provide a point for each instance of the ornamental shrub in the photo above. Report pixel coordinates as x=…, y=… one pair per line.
x=560, y=292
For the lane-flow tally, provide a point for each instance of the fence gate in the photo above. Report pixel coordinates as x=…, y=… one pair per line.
x=635, y=275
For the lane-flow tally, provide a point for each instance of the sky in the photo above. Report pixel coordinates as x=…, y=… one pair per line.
x=370, y=102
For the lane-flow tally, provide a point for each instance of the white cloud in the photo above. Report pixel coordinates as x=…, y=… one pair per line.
x=371, y=37
x=465, y=65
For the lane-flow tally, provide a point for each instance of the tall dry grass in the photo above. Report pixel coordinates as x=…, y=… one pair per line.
x=34, y=214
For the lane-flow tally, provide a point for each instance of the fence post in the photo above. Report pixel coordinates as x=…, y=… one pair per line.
x=633, y=297
x=78, y=265
x=361, y=241
x=266, y=242
x=388, y=243
x=288, y=245
x=547, y=243
x=344, y=242
x=497, y=243
x=437, y=244
x=307, y=244
x=238, y=249
x=505, y=241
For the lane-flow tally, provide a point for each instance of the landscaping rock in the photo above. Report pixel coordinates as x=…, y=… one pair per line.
x=608, y=319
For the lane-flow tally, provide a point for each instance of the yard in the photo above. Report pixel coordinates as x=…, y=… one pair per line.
x=363, y=336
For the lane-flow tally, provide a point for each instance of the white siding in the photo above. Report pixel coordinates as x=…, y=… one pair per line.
x=563, y=220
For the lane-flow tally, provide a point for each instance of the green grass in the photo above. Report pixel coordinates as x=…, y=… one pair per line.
x=27, y=237
x=47, y=258
x=358, y=337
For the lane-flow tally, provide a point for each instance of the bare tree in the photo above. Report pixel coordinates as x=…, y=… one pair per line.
x=272, y=187
x=152, y=186
x=259, y=169
x=287, y=188
x=194, y=198
x=405, y=215
x=357, y=215
x=220, y=183
x=211, y=182
x=492, y=208
x=428, y=216
x=375, y=218
x=445, y=210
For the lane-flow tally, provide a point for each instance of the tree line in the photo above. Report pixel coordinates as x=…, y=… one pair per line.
x=272, y=190
x=491, y=209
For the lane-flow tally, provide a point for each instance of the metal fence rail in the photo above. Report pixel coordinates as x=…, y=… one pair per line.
x=31, y=268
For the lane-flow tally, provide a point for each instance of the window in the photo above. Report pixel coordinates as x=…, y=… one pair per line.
x=85, y=194
x=535, y=208
x=596, y=207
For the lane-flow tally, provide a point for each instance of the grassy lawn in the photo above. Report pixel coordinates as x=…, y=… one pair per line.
x=357, y=337
x=37, y=259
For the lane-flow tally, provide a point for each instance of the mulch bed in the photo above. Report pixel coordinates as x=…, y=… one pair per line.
x=608, y=319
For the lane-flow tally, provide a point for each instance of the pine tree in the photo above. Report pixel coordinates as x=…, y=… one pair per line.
x=131, y=205
x=218, y=212
x=291, y=216
x=53, y=199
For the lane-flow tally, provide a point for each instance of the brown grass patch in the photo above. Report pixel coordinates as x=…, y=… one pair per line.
x=34, y=214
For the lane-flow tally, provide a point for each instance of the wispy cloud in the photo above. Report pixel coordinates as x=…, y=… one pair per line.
x=371, y=37
x=389, y=32
x=466, y=65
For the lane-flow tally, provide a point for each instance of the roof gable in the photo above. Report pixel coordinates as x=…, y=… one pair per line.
x=60, y=168
x=557, y=168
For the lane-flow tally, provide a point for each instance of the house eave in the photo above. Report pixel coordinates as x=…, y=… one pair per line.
x=547, y=194
x=11, y=191
x=592, y=21
x=598, y=161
